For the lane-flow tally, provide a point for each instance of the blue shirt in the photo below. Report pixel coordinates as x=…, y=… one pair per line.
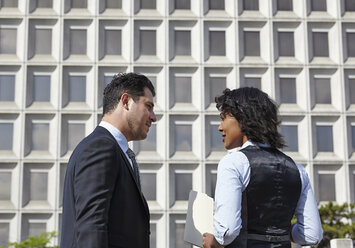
x=233, y=176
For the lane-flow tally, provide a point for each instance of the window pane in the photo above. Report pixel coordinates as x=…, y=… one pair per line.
x=112, y=42
x=183, y=185
x=352, y=90
x=5, y=186
x=153, y=235
x=77, y=88
x=8, y=39
x=148, y=4
x=212, y=183
x=4, y=234
x=41, y=88
x=43, y=41
x=149, y=186
x=288, y=90
x=148, y=42
x=353, y=137
x=9, y=3
x=217, y=85
x=286, y=44
x=38, y=186
x=79, y=4
x=290, y=134
x=78, y=41
x=326, y=187
x=35, y=229
x=114, y=4
x=182, y=4
x=149, y=144
x=285, y=5
x=76, y=132
x=320, y=44
x=179, y=236
x=252, y=82
x=107, y=80
x=324, y=138
x=217, y=43
x=44, y=3
x=322, y=91
x=251, y=43
x=183, y=89
x=350, y=41
x=6, y=134
x=7, y=88
x=40, y=136
x=182, y=43
x=349, y=5
x=183, y=137
x=319, y=5
x=216, y=4
x=216, y=139
x=251, y=4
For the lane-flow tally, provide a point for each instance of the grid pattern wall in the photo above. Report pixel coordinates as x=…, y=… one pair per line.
x=57, y=56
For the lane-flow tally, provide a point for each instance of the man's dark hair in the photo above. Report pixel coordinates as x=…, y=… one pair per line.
x=255, y=112
x=131, y=83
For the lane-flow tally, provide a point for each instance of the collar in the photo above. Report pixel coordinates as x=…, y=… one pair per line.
x=119, y=137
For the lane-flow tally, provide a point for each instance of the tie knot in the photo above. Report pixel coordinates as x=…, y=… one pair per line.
x=131, y=154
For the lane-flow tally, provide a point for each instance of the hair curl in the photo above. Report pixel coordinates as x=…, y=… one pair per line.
x=131, y=83
x=255, y=112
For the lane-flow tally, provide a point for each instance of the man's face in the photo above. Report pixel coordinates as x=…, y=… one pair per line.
x=141, y=115
x=231, y=134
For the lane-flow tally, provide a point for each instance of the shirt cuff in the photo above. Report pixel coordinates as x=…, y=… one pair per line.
x=220, y=233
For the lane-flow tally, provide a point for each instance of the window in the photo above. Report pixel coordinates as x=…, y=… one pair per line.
x=9, y=3
x=7, y=88
x=217, y=85
x=179, y=236
x=290, y=134
x=153, y=235
x=44, y=3
x=5, y=187
x=4, y=233
x=148, y=42
x=77, y=88
x=76, y=132
x=35, y=229
x=183, y=185
x=182, y=43
x=150, y=143
x=148, y=4
x=288, y=90
x=353, y=136
x=40, y=136
x=251, y=4
x=217, y=43
x=319, y=5
x=182, y=4
x=43, y=41
x=253, y=82
x=216, y=4
x=324, y=138
x=320, y=44
x=349, y=5
x=350, y=42
x=182, y=90
x=78, y=41
x=41, y=88
x=284, y=5
x=326, y=187
x=286, y=44
x=183, y=137
x=38, y=186
x=149, y=185
x=251, y=43
x=113, y=42
x=8, y=40
x=322, y=91
x=211, y=179
x=114, y=4
x=216, y=139
x=6, y=134
x=352, y=90
x=81, y=4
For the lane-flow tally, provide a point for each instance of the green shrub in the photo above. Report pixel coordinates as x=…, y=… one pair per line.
x=40, y=241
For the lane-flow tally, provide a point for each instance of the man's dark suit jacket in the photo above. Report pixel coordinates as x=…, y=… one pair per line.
x=102, y=204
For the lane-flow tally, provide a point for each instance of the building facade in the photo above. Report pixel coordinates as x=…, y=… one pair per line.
x=56, y=56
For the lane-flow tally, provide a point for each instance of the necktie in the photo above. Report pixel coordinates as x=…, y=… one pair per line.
x=132, y=156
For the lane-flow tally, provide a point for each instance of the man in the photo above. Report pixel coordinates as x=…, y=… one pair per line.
x=259, y=189
x=103, y=205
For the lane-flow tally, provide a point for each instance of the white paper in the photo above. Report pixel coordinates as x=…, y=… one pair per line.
x=199, y=218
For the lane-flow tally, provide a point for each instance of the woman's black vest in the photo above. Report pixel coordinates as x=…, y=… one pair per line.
x=270, y=199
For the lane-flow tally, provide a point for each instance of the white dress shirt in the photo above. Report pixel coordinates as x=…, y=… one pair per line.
x=233, y=176
x=119, y=137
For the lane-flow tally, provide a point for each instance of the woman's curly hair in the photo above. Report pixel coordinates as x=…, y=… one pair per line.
x=255, y=112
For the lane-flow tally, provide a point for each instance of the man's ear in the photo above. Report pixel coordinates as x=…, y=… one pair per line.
x=124, y=100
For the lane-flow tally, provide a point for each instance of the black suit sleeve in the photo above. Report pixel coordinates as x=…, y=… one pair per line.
x=94, y=179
